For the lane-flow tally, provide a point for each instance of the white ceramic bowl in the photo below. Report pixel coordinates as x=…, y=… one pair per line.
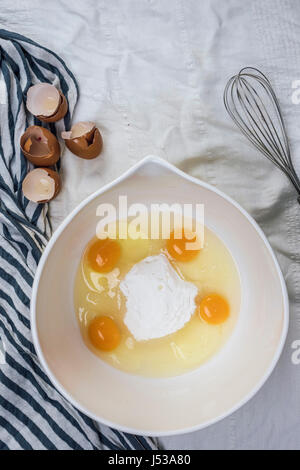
x=173, y=405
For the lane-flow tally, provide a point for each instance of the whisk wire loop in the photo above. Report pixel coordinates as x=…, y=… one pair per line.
x=252, y=104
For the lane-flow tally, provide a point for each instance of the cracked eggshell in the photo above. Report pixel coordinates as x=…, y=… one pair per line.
x=46, y=102
x=41, y=185
x=59, y=114
x=40, y=146
x=84, y=140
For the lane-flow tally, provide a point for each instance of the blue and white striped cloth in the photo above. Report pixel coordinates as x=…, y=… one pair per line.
x=33, y=415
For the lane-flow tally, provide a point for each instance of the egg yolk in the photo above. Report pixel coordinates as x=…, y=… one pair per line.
x=177, y=247
x=103, y=255
x=104, y=333
x=214, y=309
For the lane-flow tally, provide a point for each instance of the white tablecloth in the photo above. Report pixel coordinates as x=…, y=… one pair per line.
x=151, y=74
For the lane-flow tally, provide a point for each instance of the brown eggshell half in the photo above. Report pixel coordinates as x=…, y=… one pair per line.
x=40, y=146
x=61, y=111
x=32, y=179
x=87, y=146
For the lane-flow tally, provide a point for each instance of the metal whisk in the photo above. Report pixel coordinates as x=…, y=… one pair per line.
x=252, y=104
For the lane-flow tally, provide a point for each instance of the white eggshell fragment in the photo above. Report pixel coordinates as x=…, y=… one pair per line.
x=78, y=130
x=43, y=99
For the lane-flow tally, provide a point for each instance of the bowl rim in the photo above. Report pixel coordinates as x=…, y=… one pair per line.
x=33, y=314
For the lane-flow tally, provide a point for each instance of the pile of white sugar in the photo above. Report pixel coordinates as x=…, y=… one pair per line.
x=158, y=301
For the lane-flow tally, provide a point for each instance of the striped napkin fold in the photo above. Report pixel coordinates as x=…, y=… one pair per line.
x=33, y=415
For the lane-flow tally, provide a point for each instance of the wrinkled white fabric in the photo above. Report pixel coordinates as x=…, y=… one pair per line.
x=151, y=74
